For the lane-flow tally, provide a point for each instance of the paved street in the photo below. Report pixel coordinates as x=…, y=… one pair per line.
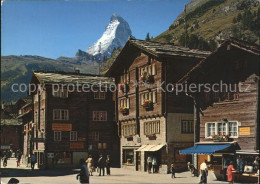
x=25, y=175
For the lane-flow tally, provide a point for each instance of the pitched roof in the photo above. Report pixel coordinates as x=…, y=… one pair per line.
x=163, y=49
x=52, y=77
x=156, y=49
x=239, y=44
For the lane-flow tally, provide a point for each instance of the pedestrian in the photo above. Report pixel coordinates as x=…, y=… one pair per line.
x=230, y=174
x=83, y=176
x=172, y=170
x=204, y=172
x=5, y=158
x=90, y=163
x=101, y=165
x=108, y=164
x=18, y=159
x=154, y=163
x=149, y=161
x=33, y=161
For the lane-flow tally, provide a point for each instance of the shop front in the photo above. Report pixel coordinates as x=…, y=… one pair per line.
x=247, y=166
x=129, y=157
x=218, y=156
x=153, y=151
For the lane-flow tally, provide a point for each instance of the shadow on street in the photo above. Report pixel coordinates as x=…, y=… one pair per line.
x=19, y=172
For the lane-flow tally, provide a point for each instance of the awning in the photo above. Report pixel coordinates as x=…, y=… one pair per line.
x=248, y=152
x=205, y=149
x=150, y=147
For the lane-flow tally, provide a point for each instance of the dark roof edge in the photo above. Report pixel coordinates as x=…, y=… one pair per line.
x=226, y=42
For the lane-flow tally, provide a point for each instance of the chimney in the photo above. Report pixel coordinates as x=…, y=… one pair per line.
x=76, y=70
x=3, y=105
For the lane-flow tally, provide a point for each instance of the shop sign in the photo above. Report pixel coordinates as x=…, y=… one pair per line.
x=5, y=147
x=61, y=127
x=244, y=131
x=81, y=139
x=77, y=145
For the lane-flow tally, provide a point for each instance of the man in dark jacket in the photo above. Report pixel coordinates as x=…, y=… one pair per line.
x=101, y=165
x=83, y=175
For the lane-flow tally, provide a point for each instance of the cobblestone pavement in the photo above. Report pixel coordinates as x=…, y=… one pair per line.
x=118, y=175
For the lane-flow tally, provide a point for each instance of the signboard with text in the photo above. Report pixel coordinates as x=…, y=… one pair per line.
x=61, y=127
x=77, y=145
x=244, y=131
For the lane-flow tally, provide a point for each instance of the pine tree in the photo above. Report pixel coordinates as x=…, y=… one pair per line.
x=147, y=37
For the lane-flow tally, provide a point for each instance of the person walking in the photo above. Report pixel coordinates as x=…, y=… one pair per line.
x=33, y=161
x=204, y=172
x=83, y=176
x=172, y=170
x=230, y=174
x=101, y=165
x=90, y=163
x=108, y=164
x=154, y=163
x=149, y=161
x=5, y=158
x=18, y=159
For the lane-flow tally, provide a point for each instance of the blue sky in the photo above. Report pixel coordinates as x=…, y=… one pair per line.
x=60, y=28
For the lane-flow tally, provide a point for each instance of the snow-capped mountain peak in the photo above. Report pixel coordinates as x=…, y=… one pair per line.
x=115, y=35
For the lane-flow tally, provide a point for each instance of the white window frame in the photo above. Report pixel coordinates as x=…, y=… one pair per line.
x=99, y=118
x=125, y=102
x=152, y=127
x=57, y=135
x=98, y=96
x=61, y=93
x=129, y=129
x=60, y=111
x=187, y=126
x=73, y=135
x=152, y=95
x=217, y=128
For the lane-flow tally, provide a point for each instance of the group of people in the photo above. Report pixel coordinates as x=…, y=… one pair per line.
x=204, y=172
x=152, y=164
x=87, y=167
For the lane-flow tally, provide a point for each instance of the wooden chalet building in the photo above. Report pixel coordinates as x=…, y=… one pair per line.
x=25, y=114
x=151, y=120
x=72, y=122
x=227, y=119
x=11, y=131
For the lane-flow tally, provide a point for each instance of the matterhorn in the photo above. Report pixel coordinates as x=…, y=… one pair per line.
x=116, y=35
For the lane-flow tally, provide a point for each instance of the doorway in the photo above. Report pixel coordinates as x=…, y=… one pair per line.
x=138, y=161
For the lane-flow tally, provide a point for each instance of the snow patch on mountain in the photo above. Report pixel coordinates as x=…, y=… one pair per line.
x=116, y=35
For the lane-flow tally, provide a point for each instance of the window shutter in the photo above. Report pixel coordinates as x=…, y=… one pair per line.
x=128, y=103
x=154, y=97
x=128, y=77
x=150, y=70
x=154, y=69
x=150, y=96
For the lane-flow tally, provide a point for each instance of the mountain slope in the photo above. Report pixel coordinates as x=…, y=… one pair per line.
x=215, y=20
x=115, y=36
x=18, y=70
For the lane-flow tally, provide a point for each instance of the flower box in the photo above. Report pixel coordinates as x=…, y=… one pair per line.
x=147, y=104
x=147, y=78
x=124, y=110
x=220, y=138
x=124, y=87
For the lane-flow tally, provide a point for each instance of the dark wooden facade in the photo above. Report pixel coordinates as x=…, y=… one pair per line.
x=144, y=71
x=78, y=124
x=235, y=63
